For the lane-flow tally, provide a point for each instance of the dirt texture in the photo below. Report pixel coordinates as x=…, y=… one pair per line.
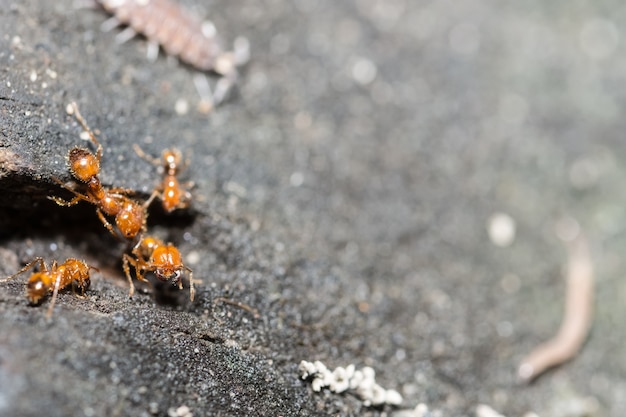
x=343, y=193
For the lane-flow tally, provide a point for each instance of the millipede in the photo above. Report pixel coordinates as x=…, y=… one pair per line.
x=180, y=33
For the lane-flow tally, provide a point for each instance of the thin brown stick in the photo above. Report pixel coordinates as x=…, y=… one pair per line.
x=578, y=314
x=251, y=310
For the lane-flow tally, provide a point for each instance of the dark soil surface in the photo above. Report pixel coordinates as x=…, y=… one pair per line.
x=343, y=192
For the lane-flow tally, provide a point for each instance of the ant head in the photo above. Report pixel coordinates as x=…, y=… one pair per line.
x=167, y=274
x=38, y=286
x=167, y=263
x=83, y=164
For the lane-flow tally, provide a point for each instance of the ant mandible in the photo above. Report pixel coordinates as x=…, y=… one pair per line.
x=130, y=216
x=172, y=193
x=152, y=255
x=41, y=283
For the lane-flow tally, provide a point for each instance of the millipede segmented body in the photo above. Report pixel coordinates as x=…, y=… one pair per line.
x=166, y=24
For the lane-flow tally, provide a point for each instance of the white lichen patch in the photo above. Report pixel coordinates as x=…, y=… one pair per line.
x=361, y=382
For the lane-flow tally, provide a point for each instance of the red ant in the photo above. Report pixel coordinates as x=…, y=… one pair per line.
x=71, y=272
x=152, y=255
x=172, y=193
x=130, y=216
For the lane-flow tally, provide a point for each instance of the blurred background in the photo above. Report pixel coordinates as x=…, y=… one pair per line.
x=371, y=144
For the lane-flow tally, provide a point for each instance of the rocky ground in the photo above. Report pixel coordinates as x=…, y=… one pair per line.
x=343, y=193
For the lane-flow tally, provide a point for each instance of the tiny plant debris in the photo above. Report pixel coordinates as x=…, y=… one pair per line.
x=362, y=382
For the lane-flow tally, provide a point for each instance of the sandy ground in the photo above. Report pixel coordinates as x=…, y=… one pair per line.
x=344, y=192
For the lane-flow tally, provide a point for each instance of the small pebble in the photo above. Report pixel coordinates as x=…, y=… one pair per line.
x=501, y=229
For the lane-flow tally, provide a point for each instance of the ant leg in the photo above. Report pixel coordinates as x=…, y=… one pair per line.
x=154, y=194
x=65, y=203
x=106, y=223
x=185, y=199
x=126, y=260
x=192, y=290
x=73, y=109
x=77, y=196
x=79, y=288
x=142, y=154
x=83, y=283
x=138, y=271
x=42, y=267
x=55, y=293
x=139, y=263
